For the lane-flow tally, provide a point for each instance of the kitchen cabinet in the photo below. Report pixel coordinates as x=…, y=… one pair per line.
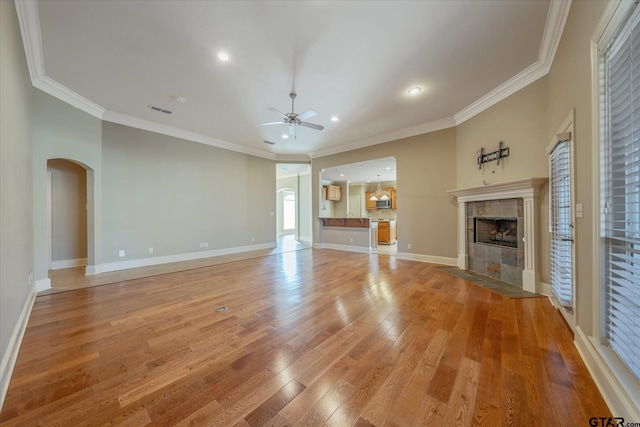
x=370, y=204
x=333, y=192
x=386, y=232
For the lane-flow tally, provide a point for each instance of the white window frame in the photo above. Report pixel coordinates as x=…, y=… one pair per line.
x=619, y=388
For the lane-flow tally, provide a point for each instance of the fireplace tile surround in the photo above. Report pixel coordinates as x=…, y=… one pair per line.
x=517, y=199
x=499, y=262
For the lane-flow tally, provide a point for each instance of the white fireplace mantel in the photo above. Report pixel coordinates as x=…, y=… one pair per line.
x=526, y=189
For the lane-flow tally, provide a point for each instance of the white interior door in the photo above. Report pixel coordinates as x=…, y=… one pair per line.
x=561, y=219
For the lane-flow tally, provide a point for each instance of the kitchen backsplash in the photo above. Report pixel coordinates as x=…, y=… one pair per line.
x=382, y=214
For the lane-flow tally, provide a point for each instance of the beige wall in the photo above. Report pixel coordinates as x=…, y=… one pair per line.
x=68, y=210
x=171, y=195
x=63, y=132
x=16, y=220
x=426, y=169
x=570, y=88
x=520, y=122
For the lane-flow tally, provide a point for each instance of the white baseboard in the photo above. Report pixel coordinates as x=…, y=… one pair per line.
x=11, y=354
x=145, y=262
x=546, y=289
x=620, y=390
x=68, y=263
x=348, y=248
x=43, y=284
x=428, y=258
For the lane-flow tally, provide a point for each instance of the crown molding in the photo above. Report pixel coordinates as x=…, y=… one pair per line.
x=127, y=120
x=556, y=19
x=387, y=137
x=293, y=158
x=508, y=88
x=29, y=21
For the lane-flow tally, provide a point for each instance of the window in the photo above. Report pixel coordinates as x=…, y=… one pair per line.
x=289, y=211
x=620, y=193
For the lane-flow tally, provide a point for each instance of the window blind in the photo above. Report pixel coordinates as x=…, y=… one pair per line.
x=560, y=223
x=621, y=195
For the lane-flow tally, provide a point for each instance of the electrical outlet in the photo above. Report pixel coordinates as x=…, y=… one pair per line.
x=253, y=239
x=350, y=239
x=409, y=246
x=121, y=253
x=204, y=244
x=150, y=250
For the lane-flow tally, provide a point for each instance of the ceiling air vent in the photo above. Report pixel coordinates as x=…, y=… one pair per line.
x=269, y=142
x=160, y=109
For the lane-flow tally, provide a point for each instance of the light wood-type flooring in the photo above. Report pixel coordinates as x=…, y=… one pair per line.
x=313, y=337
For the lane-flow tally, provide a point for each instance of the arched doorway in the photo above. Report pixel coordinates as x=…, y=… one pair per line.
x=68, y=223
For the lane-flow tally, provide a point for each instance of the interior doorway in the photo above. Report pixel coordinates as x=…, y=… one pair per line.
x=293, y=202
x=67, y=219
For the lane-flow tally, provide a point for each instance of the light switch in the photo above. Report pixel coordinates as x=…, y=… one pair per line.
x=578, y=210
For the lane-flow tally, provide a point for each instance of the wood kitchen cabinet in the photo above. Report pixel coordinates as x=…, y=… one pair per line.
x=386, y=232
x=370, y=204
x=333, y=192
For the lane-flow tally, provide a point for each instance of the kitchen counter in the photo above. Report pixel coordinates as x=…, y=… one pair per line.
x=345, y=222
x=349, y=234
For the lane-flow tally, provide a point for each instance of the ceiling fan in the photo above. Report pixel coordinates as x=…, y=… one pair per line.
x=293, y=119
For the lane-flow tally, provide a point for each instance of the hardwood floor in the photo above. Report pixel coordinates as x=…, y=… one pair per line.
x=314, y=337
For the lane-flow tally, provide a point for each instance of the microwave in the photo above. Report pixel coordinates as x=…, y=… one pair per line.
x=383, y=204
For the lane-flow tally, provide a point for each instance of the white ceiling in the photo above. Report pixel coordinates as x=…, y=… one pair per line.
x=367, y=171
x=353, y=59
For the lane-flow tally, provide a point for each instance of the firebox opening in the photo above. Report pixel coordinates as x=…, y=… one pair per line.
x=496, y=231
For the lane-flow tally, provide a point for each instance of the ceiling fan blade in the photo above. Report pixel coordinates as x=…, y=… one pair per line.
x=284, y=116
x=306, y=115
x=311, y=125
x=292, y=130
x=272, y=123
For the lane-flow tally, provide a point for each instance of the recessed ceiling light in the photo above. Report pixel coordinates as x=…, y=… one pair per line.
x=388, y=168
x=285, y=136
x=341, y=174
x=414, y=90
x=180, y=99
x=334, y=119
x=222, y=56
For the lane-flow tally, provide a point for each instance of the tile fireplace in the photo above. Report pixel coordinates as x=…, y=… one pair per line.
x=499, y=210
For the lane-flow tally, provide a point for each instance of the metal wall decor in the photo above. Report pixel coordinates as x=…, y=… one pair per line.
x=494, y=155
